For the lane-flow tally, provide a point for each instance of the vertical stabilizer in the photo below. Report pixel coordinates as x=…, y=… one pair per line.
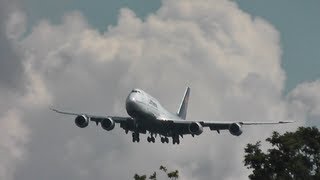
x=182, y=112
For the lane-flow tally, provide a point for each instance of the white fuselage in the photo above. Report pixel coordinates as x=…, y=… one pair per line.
x=146, y=109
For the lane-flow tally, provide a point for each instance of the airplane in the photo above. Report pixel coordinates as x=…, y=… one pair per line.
x=146, y=114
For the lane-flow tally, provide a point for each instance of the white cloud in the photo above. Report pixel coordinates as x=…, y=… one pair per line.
x=229, y=58
x=37, y=94
x=16, y=25
x=305, y=101
x=14, y=98
x=13, y=136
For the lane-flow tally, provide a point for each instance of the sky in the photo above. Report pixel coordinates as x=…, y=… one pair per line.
x=244, y=61
x=293, y=19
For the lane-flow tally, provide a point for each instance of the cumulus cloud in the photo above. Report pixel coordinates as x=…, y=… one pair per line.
x=11, y=68
x=305, y=100
x=231, y=60
x=19, y=90
x=13, y=137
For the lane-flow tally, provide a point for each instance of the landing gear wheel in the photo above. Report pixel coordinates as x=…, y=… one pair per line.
x=151, y=139
x=135, y=137
x=164, y=140
x=175, y=139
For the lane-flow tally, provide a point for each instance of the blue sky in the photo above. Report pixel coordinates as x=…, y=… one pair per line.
x=99, y=13
x=295, y=20
x=299, y=28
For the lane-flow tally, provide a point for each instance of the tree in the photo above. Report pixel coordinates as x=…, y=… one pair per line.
x=153, y=176
x=173, y=175
x=293, y=155
x=138, y=177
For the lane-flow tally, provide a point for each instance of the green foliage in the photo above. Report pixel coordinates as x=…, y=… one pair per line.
x=162, y=168
x=153, y=176
x=137, y=177
x=294, y=155
x=173, y=175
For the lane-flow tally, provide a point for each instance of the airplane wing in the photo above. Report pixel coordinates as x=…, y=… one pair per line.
x=185, y=126
x=127, y=123
x=225, y=125
x=116, y=119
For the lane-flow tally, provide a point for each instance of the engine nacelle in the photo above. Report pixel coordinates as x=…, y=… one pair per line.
x=195, y=128
x=235, y=129
x=107, y=124
x=82, y=121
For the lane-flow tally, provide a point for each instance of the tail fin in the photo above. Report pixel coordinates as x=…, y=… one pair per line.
x=182, y=112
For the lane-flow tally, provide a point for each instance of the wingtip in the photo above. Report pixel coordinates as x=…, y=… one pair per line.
x=284, y=122
x=53, y=109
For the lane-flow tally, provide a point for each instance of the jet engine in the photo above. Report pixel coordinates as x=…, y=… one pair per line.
x=107, y=124
x=195, y=128
x=235, y=129
x=82, y=121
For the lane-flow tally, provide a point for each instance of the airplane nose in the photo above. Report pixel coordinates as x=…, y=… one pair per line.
x=131, y=101
x=131, y=98
x=131, y=105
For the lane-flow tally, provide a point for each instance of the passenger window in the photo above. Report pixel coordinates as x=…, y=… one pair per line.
x=153, y=104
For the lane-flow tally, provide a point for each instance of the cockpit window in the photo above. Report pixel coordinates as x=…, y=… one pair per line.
x=136, y=91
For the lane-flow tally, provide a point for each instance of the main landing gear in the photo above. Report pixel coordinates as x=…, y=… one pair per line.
x=175, y=139
x=135, y=137
x=151, y=139
x=164, y=140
